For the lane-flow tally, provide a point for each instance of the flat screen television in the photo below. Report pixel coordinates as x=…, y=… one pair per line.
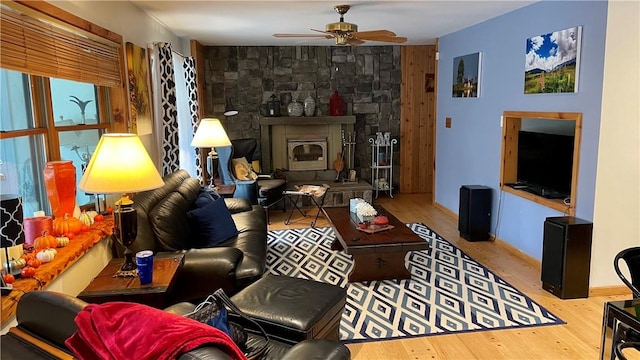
x=545, y=163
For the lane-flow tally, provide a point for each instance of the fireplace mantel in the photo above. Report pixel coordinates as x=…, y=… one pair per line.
x=267, y=125
x=302, y=120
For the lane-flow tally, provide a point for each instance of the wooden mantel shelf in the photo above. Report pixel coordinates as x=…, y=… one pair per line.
x=48, y=272
x=303, y=120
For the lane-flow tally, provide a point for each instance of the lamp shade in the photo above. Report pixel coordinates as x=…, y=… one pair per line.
x=120, y=164
x=229, y=109
x=210, y=133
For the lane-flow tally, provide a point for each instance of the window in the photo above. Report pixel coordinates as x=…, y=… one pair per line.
x=61, y=85
x=71, y=132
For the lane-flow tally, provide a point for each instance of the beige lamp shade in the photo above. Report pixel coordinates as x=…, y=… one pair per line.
x=210, y=133
x=120, y=164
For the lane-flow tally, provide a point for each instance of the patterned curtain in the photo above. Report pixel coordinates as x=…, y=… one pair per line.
x=192, y=92
x=166, y=110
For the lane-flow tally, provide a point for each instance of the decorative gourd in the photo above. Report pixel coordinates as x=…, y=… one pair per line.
x=45, y=255
x=86, y=219
x=62, y=241
x=34, y=263
x=45, y=241
x=66, y=224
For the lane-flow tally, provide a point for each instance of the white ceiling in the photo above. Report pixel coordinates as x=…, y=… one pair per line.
x=245, y=23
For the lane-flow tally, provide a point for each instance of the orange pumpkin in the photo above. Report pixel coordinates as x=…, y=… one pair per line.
x=66, y=224
x=45, y=241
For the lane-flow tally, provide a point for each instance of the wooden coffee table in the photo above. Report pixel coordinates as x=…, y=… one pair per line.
x=105, y=287
x=377, y=256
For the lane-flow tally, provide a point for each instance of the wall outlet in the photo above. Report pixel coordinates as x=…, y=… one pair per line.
x=447, y=122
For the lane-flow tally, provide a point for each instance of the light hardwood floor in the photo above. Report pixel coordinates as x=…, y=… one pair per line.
x=578, y=339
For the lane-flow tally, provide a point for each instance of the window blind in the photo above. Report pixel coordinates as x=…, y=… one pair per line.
x=41, y=48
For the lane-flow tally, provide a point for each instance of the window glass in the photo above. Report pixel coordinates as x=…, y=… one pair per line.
x=78, y=146
x=74, y=103
x=15, y=103
x=21, y=163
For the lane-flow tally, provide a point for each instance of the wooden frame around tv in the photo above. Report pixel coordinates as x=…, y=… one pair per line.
x=511, y=124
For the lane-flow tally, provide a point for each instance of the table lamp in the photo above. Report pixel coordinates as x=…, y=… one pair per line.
x=120, y=164
x=210, y=134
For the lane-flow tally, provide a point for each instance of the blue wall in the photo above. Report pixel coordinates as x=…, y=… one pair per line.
x=470, y=151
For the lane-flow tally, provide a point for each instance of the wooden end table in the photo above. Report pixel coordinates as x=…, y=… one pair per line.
x=377, y=256
x=105, y=287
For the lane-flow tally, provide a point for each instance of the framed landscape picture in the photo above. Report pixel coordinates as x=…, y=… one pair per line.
x=552, y=62
x=466, y=75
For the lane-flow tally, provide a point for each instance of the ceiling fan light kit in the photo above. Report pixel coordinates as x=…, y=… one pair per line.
x=347, y=33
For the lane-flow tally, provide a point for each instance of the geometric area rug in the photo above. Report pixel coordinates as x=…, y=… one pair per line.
x=449, y=292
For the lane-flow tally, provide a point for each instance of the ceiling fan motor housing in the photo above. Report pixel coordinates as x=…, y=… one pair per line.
x=341, y=27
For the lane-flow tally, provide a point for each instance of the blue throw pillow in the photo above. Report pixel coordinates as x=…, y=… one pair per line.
x=205, y=196
x=211, y=220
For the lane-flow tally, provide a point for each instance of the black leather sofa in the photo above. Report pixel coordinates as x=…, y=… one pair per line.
x=49, y=317
x=163, y=226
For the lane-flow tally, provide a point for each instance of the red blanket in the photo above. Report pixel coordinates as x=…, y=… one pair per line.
x=121, y=330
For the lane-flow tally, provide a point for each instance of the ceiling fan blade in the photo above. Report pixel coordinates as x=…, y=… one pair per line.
x=394, y=39
x=301, y=35
x=324, y=32
x=364, y=34
x=309, y=39
x=355, y=42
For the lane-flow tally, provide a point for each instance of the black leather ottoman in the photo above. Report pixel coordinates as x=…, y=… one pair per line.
x=292, y=309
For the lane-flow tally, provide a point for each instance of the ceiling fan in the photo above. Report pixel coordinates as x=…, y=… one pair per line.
x=347, y=33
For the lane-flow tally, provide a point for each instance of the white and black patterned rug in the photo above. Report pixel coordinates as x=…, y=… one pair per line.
x=448, y=291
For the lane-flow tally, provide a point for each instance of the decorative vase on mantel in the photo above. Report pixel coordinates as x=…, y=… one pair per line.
x=336, y=104
x=309, y=106
x=295, y=108
x=60, y=182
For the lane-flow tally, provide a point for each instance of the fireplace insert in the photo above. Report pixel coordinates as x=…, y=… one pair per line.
x=307, y=154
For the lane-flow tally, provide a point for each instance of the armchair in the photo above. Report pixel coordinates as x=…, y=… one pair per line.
x=264, y=190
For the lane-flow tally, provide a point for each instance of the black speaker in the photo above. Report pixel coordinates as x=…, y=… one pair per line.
x=566, y=256
x=474, y=217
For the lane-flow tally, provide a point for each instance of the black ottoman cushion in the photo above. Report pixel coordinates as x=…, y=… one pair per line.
x=293, y=309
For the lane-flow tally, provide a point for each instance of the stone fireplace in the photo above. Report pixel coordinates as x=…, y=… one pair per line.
x=280, y=136
x=279, y=133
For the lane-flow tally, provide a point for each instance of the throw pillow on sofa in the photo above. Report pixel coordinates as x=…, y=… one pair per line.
x=211, y=220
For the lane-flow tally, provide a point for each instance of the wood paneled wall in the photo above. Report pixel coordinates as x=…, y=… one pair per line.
x=418, y=119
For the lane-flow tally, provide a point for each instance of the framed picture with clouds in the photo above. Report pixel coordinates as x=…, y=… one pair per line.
x=552, y=62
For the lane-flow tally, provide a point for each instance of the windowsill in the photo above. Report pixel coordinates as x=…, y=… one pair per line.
x=47, y=273
x=556, y=204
